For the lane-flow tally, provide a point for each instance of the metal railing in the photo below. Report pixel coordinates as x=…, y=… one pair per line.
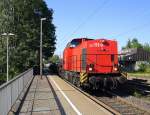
x=10, y=91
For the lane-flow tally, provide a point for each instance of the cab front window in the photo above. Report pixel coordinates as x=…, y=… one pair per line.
x=75, y=43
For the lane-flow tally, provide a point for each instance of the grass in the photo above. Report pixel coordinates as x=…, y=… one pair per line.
x=139, y=74
x=145, y=73
x=137, y=94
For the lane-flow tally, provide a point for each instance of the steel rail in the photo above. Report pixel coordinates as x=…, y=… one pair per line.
x=122, y=101
x=110, y=109
x=118, y=104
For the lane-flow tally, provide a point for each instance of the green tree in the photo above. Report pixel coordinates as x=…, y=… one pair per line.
x=129, y=44
x=55, y=59
x=134, y=43
x=6, y=25
x=19, y=17
x=146, y=47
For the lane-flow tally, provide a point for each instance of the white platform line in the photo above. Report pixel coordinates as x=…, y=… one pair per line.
x=72, y=105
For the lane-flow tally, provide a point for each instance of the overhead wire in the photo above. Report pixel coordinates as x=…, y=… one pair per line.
x=91, y=16
x=98, y=9
x=144, y=11
x=133, y=29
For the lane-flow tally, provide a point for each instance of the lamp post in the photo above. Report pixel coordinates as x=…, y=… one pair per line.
x=7, y=36
x=42, y=19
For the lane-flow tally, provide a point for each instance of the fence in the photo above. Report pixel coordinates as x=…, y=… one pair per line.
x=10, y=91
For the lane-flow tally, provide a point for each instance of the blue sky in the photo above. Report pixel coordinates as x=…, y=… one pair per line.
x=111, y=19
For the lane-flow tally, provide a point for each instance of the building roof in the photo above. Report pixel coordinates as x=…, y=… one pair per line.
x=135, y=54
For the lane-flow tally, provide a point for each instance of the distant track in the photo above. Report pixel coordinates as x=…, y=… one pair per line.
x=112, y=102
x=140, y=86
x=120, y=104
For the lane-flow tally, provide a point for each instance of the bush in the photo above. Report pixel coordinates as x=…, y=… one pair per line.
x=137, y=94
x=142, y=67
x=2, y=79
x=147, y=69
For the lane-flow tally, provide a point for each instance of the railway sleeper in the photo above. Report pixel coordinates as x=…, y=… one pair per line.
x=134, y=113
x=132, y=110
x=119, y=107
x=110, y=102
x=129, y=114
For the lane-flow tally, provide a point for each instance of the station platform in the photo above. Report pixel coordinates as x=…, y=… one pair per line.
x=53, y=96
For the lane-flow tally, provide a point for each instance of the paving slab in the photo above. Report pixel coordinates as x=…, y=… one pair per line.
x=40, y=99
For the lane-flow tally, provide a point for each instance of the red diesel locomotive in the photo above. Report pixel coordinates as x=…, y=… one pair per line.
x=91, y=63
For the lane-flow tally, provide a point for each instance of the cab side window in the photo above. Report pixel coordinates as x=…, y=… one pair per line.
x=68, y=45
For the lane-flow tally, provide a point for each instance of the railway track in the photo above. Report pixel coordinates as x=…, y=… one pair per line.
x=112, y=102
x=143, y=87
x=133, y=86
x=136, y=93
x=120, y=104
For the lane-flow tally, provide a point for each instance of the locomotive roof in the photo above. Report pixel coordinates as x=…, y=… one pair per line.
x=82, y=39
x=91, y=39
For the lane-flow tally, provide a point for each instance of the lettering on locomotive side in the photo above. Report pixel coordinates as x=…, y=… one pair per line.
x=97, y=44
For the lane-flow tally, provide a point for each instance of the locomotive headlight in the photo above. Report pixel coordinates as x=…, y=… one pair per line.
x=90, y=69
x=115, y=68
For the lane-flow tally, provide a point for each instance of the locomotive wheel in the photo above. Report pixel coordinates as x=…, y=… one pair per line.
x=70, y=78
x=76, y=81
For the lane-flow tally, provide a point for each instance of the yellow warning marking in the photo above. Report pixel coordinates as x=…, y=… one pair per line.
x=83, y=80
x=124, y=75
x=83, y=77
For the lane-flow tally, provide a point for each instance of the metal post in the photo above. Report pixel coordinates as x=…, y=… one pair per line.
x=41, y=52
x=42, y=19
x=7, y=60
x=7, y=37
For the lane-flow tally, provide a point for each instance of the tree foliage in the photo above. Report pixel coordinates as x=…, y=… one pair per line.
x=19, y=17
x=55, y=59
x=134, y=43
x=146, y=46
